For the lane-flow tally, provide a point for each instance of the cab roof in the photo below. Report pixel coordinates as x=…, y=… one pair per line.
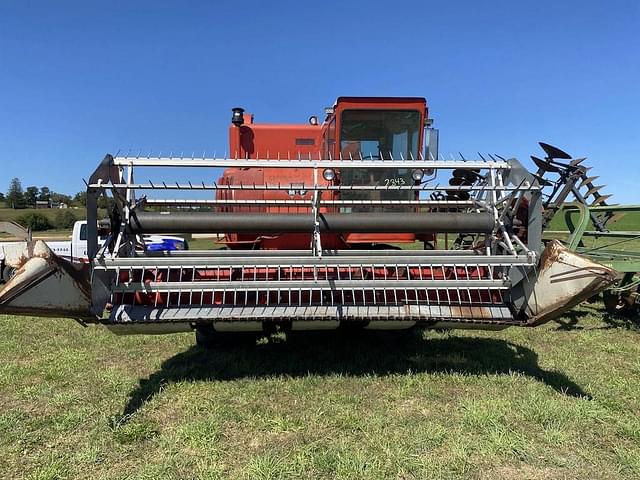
x=382, y=99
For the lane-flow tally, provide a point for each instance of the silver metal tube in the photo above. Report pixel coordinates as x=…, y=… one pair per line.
x=373, y=258
x=309, y=187
x=305, y=163
x=281, y=285
x=290, y=203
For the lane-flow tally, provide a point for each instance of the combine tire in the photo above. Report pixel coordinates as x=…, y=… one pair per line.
x=207, y=337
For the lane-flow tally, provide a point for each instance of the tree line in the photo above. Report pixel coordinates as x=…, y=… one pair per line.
x=17, y=197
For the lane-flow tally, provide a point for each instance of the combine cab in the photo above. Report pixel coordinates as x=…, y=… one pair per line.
x=319, y=226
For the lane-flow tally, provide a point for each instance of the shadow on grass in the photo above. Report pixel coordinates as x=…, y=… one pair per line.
x=351, y=355
x=627, y=320
x=571, y=320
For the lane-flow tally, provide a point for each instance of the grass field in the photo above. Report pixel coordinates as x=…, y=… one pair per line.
x=623, y=221
x=9, y=214
x=560, y=401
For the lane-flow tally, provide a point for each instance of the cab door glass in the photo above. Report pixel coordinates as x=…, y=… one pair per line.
x=383, y=135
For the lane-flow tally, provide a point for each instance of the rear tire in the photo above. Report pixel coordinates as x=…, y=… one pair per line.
x=205, y=338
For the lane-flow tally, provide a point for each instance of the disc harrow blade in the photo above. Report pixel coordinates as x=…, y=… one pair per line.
x=600, y=200
x=593, y=190
x=541, y=180
x=544, y=165
x=588, y=180
x=554, y=152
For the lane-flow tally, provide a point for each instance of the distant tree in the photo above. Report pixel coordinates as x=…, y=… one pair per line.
x=80, y=199
x=105, y=203
x=31, y=195
x=64, y=219
x=15, y=195
x=1, y=197
x=45, y=194
x=60, y=198
x=36, y=221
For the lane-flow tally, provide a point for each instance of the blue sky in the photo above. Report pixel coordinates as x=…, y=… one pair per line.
x=79, y=79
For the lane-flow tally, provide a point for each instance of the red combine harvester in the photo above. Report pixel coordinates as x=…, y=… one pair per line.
x=315, y=220
x=365, y=129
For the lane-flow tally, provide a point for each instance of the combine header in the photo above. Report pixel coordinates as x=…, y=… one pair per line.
x=315, y=221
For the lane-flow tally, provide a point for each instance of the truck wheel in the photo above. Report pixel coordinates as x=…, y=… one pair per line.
x=8, y=273
x=207, y=337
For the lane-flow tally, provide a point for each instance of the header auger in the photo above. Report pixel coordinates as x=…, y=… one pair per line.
x=315, y=220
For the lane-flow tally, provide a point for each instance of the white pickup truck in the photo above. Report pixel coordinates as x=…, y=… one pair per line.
x=75, y=250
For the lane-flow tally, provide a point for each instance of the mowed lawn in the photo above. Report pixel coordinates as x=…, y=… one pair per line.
x=560, y=401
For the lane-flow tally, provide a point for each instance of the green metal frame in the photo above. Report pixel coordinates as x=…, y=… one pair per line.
x=625, y=262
